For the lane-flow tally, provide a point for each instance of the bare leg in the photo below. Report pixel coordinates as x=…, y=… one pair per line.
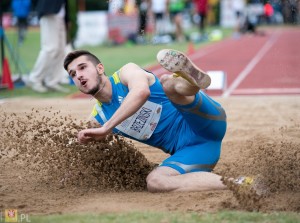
x=178, y=89
x=178, y=24
x=181, y=88
x=166, y=179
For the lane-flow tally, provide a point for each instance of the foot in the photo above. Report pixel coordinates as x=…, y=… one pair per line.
x=257, y=184
x=177, y=62
x=39, y=88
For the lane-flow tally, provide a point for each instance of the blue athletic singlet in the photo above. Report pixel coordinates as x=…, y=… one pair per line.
x=192, y=133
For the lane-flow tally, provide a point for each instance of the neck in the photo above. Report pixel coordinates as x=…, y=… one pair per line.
x=104, y=93
x=100, y=90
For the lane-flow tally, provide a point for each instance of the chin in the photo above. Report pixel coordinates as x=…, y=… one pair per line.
x=84, y=90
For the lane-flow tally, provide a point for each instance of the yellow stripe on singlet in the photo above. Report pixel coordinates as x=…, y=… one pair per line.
x=95, y=112
x=116, y=77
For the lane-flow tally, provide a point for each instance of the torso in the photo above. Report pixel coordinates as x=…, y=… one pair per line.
x=158, y=107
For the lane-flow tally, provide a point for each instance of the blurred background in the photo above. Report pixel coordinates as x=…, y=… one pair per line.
x=123, y=15
x=118, y=28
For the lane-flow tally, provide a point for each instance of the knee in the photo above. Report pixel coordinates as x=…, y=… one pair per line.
x=153, y=183
x=163, y=79
x=167, y=83
x=156, y=183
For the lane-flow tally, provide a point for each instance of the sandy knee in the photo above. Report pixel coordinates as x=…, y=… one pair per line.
x=156, y=183
x=164, y=78
x=167, y=82
x=153, y=183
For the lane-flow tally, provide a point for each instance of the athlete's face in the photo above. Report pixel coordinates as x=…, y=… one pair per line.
x=86, y=76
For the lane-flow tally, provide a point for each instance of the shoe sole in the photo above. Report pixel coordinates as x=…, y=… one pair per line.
x=257, y=184
x=177, y=62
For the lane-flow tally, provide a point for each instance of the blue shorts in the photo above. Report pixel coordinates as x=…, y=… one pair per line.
x=202, y=134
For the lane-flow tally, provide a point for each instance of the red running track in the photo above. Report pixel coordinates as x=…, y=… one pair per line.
x=266, y=64
x=254, y=64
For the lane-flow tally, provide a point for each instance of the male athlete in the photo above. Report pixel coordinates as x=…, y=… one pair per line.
x=170, y=113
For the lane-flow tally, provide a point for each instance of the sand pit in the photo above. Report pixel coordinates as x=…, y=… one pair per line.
x=44, y=170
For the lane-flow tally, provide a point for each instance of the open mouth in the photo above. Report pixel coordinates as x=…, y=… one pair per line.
x=83, y=83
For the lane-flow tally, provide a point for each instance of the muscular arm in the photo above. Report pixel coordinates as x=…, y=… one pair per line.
x=138, y=82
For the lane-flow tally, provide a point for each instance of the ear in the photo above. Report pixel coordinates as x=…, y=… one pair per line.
x=100, y=68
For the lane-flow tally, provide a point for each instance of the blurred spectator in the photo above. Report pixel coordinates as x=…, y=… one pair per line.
x=268, y=12
x=277, y=7
x=129, y=7
x=238, y=7
x=213, y=12
x=143, y=6
x=250, y=22
x=115, y=6
x=159, y=9
x=291, y=11
x=201, y=7
x=71, y=32
x=176, y=8
x=71, y=23
x=21, y=10
x=48, y=70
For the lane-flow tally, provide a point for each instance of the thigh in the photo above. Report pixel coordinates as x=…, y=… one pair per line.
x=205, y=117
x=194, y=158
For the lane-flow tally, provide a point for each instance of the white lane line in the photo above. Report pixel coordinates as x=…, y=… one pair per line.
x=250, y=65
x=258, y=91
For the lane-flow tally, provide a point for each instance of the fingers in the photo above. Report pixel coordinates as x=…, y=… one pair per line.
x=83, y=137
x=88, y=135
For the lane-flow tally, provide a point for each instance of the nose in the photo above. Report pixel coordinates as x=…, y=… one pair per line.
x=79, y=75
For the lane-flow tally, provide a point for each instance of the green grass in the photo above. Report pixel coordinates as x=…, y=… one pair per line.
x=27, y=52
x=113, y=57
x=168, y=217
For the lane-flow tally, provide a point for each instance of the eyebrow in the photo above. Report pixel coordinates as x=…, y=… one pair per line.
x=78, y=65
x=81, y=64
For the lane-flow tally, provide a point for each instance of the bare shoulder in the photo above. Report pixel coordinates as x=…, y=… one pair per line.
x=130, y=67
x=133, y=71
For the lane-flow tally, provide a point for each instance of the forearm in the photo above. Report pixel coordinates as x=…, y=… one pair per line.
x=131, y=104
x=134, y=100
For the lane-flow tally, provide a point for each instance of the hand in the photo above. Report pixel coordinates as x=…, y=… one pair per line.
x=88, y=135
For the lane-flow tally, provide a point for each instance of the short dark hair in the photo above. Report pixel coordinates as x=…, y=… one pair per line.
x=77, y=53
